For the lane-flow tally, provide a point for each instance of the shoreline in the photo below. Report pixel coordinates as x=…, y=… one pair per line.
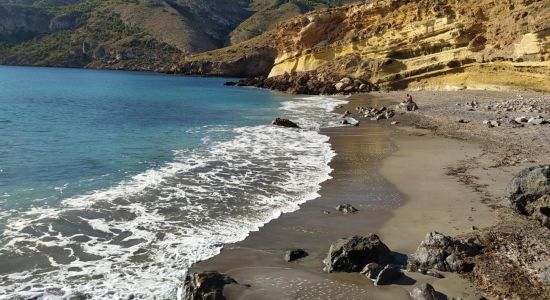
x=383, y=162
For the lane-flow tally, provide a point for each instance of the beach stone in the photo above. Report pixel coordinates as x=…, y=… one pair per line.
x=294, y=254
x=423, y=292
x=536, y=121
x=284, y=123
x=340, y=86
x=346, y=208
x=529, y=185
x=388, y=274
x=354, y=253
x=521, y=119
x=442, y=253
x=346, y=80
x=206, y=286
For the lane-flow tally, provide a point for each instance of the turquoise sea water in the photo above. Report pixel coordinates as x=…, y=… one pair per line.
x=68, y=131
x=113, y=183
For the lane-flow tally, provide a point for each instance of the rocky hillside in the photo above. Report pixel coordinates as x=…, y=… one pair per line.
x=133, y=34
x=443, y=44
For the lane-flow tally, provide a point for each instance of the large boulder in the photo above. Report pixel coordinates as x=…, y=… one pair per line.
x=442, y=253
x=284, y=123
x=529, y=186
x=354, y=253
x=208, y=285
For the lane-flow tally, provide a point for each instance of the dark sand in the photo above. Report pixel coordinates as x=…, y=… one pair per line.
x=397, y=179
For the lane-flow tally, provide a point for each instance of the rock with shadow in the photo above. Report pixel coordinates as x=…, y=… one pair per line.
x=443, y=253
x=294, y=254
x=209, y=285
x=354, y=253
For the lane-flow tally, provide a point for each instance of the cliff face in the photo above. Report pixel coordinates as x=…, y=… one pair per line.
x=422, y=44
x=19, y=23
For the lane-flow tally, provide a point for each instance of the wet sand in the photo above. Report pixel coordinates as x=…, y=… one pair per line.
x=397, y=179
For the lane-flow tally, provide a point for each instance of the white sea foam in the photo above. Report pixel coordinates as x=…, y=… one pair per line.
x=139, y=237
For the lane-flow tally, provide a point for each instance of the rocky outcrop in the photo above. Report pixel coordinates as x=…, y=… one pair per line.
x=309, y=83
x=21, y=23
x=443, y=253
x=66, y=22
x=354, y=253
x=252, y=58
x=207, y=286
x=529, y=193
x=284, y=123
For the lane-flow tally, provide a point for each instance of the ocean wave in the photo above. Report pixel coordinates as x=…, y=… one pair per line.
x=138, y=238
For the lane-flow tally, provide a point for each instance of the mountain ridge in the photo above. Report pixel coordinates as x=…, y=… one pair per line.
x=133, y=34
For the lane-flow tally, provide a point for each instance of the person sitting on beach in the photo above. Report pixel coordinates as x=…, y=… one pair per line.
x=408, y=99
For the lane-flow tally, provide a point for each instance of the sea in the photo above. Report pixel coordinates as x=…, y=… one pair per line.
x=113, y=183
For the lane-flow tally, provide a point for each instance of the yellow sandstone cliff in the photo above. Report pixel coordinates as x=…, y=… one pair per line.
x=423, y=44
x=395, y=44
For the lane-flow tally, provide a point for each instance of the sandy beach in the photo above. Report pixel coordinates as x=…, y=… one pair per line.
x=427, y=173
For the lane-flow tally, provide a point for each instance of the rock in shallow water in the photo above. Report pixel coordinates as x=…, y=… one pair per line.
x=294, y=254
x=284, y=123
x=354, y=253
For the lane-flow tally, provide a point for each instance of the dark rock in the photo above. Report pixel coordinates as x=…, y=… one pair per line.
x=206, y=286
x=442, y=253
x=309, y=83
x=284, y=123
x=389, y=274
x=528, y=186
x=231, y=83
x=346, y=208
x=354, y=253
x=423, y=292
x=294, y=254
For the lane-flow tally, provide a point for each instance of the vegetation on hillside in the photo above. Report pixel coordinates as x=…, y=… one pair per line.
x=143, y=34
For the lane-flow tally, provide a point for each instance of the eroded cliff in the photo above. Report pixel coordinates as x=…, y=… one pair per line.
x=395, y=44
x=423, y=44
